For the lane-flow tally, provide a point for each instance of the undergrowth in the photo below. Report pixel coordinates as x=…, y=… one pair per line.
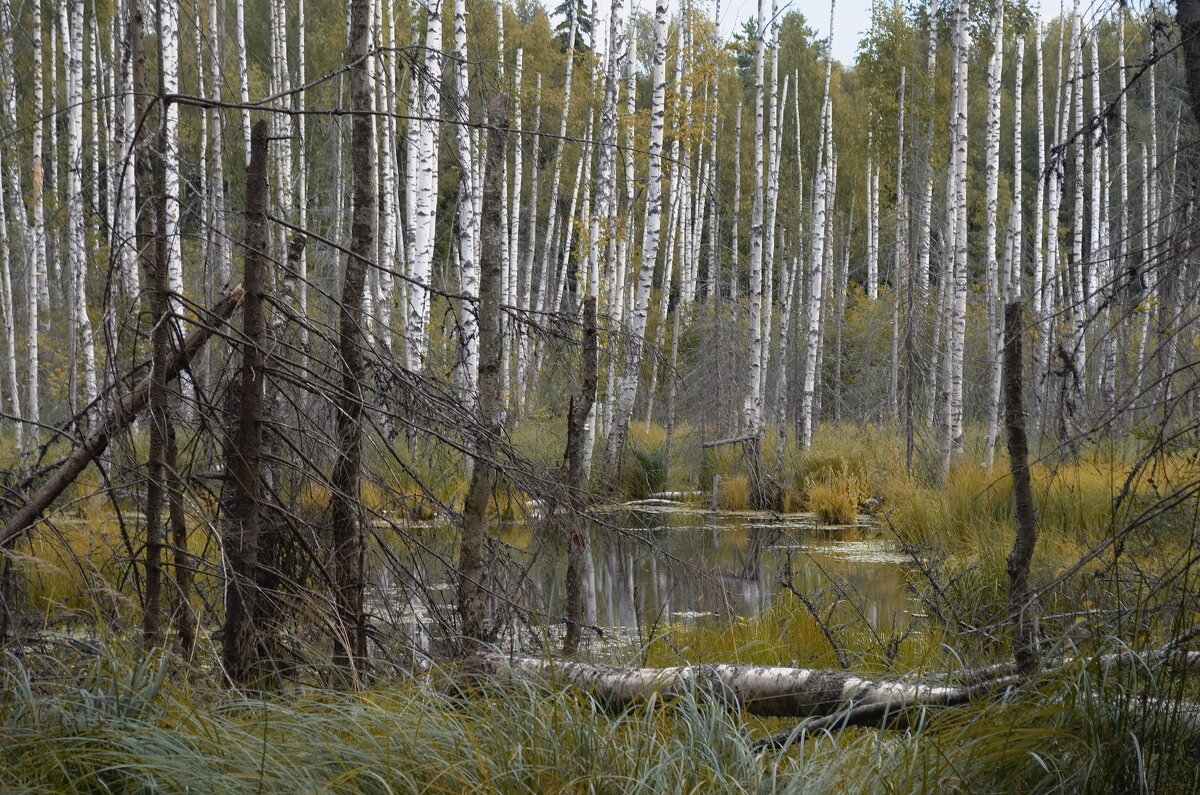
x=104, y=724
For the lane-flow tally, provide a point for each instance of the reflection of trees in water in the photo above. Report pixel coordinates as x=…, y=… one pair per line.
x=640, y=577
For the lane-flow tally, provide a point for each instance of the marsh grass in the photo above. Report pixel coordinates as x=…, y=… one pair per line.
x=103, y=724
x=110, y=721
x=834, y=496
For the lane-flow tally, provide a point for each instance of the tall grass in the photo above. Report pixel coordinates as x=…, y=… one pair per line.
x=110, y=726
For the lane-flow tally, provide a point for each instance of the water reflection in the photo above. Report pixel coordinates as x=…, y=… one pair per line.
x=656, y=565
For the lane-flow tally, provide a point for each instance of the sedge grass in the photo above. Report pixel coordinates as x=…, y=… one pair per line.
x=106, y=725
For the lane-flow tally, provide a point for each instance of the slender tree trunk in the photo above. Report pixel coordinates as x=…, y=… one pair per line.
x=243, y=71
x=76, y=233
x=472, y=588
x=899, y=253
x=424, y=212
x=752, y=419
x=1019, y=560
x=627, y=388
x=247, y=649
x=37, y=287
x=578, y=550
x=735, y=247
x=952, y=369
x=527, y=299
x=991, y=198
x=816, y=270
x=168, y=36
x=345, y=504
x=467, y=366
x=216, y=128
x=10, y=198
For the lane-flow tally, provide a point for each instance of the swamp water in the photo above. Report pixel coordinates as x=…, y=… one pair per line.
x=653, y=566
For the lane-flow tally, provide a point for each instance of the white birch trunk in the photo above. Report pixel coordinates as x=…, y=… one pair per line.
x=168, y=34
x=925, y=208
x=872, y=202
x=243, y=70
x=817, y=267
x=467, y=370
x=10, y=198
x=216, y=193
x=1039, y=197
x=899, y=252
x=952, y=383
x=37, y=285
x=995, y=310
x=1078, y=300
x=753, y=409
x=425, y=196
x=735, y=264
x=76, y=232
x=627, y=388
x=526, y=299
x=777, y=103
x=6, y=307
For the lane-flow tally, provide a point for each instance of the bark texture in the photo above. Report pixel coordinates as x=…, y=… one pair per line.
x=1019, y=560
x=472, y=593
x=246, y=645
x=346, y=509
x=577, y=537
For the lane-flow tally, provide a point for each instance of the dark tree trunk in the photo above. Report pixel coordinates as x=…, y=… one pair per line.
x=247, y=647
x=153, y=245
x=577, y=537
x=1187, y=14
x=185, y=619
x=346, y=508
x=472, y=595
x=1019, y=560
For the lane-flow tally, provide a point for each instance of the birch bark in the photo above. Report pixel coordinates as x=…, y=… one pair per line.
x=627, y=387
x=995, y=325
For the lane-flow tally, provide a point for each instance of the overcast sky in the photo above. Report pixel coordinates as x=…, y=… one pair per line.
x=851, y=21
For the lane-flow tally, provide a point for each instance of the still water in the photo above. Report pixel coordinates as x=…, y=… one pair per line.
x=655, y=565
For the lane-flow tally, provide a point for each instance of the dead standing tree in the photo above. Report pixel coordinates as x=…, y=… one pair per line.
x=1020, y=601
x=472, y=593
x=247, y=646
x=577, y=537
x=345, y=506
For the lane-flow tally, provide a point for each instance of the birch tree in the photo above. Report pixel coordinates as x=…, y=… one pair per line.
x=991, y=198
x=423, y=215
x=467, y=368
x=76, y=233
x=627, y=387
x=952, y=361
x=753, y=408
x=817, y=264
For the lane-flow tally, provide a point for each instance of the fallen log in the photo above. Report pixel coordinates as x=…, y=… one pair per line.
x=759, y=690
x=119, y=418
x=826, y=699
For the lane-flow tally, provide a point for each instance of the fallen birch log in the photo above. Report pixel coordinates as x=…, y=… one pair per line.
x=759, y=690
x=119, y=418
x=826, y=699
